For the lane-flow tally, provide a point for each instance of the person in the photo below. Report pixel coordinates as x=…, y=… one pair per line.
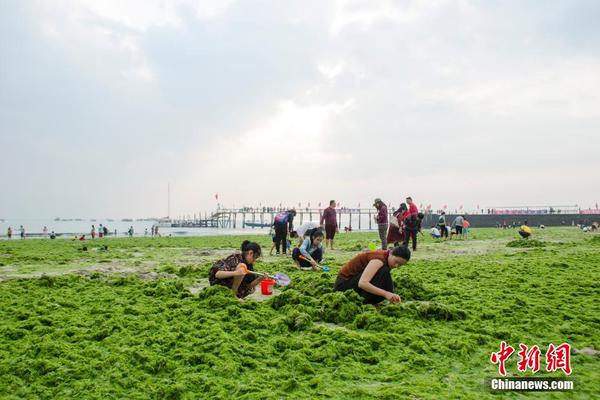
x=411, y=223
x=368, y=273
x=45, y=232
x=130, y=231
x=274, y=239
x=525, y=231
x=9, y=232
x=82, y=237
x=230, y=272
x=458, y=225
x=304, y=231
x=283, y=224
x=105, y=230
x=594, y=226
x=466, y=226
x=156, y=231
x=395, y=232
x=146, y=232
x=442, y=225
x=382, y=221
x=93, y=232
x=435, y=232
x=100, y=231
x=310, y=252
x=115, y=232
x=52, y=235
x=329, y=221
x=22, y=230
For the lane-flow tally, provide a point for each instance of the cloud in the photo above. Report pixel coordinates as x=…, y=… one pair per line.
x=294, y=101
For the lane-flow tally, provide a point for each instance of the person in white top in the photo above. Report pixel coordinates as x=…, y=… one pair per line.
x=304, y=231
x=435, y=233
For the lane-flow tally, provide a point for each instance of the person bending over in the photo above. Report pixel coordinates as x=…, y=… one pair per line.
x=368, y=273
x=525, y=231
x=310, y=252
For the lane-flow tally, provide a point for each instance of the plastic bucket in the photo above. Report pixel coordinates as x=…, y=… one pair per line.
x=266, y=286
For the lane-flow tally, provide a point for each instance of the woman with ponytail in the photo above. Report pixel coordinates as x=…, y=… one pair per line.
x=232, y=271
x=310, y=252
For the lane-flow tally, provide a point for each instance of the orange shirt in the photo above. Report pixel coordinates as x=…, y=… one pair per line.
x=359, y=262
x=466, y=224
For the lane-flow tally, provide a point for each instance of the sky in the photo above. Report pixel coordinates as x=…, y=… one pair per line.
x=103, y=104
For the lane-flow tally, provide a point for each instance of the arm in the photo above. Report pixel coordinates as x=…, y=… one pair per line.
x=322, y=218
x=231, y=274
x=366, y=285
x=304, y=249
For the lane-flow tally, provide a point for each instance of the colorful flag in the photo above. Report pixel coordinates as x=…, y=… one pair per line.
x=445, y=206
x=216, y=196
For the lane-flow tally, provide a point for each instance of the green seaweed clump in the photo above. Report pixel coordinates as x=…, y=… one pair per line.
x=340, y=307
x=525, y=243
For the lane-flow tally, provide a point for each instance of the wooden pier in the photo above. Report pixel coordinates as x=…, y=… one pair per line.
x=251, y=218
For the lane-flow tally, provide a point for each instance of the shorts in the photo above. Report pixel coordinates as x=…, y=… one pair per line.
x=329, y=232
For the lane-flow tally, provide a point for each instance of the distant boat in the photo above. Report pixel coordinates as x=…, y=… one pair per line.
x=110, y=220
x=256, y=225
x=57, y=219
x=78, y=219
x=92, y=220
x=127, y=220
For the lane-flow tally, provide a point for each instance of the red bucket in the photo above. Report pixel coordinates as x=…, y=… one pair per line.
x=266, y=286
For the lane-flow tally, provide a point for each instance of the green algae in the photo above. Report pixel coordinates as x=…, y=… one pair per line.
x=525, y=243
x=108, y=335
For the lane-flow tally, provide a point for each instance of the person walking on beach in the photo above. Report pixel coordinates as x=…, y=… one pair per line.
x=442, y=225
x=22, y=230
x=382, y=221
x=329, y=221
x=100, y=231
x=283, y=224
x=93, y=232
x=395, y=233
x=9, y=232
x=130, y=231
x=411, y=223
x=458, y=225
x=156, y=231
x=369, y=274
x=230, y=272
x=45, y=232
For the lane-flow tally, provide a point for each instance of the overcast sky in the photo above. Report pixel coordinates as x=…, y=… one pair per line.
x=103, y=102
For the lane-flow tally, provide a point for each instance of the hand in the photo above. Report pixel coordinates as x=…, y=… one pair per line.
x=393, y=298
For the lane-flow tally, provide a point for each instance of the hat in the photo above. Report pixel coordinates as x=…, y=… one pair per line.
x=377, y=200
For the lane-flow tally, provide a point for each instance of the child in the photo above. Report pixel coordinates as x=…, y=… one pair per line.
x=229, y=271
x=435, y=232
x=369, y=275
x=311, y=250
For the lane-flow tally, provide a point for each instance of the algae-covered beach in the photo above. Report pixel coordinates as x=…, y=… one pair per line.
x=135, y=320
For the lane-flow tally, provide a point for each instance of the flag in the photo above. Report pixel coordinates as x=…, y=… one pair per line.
x=445, y=206
x=319, y=204
x=358, y=205
x=596, y=206
x=216, y=196
x=460, y=208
